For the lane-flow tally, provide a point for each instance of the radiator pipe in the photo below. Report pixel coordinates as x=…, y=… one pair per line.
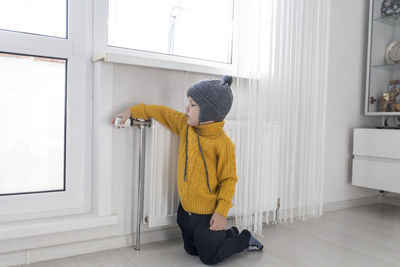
x=141, y=124
x=278, y=205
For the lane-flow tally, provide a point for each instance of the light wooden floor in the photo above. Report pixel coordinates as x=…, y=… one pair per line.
x=361, y=236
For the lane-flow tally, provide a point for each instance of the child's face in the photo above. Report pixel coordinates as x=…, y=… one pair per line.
x=192, y=112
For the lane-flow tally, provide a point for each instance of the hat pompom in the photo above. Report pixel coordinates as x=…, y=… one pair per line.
x=227, y=79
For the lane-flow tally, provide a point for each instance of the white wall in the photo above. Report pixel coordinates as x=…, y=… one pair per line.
x=345, y=105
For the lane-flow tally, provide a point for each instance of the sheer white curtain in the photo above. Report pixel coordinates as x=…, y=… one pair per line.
x=279, y=109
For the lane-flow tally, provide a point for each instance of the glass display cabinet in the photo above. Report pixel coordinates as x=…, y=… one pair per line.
x=383, y=59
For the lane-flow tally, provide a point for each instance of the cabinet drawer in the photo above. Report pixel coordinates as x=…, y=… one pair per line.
x=377, y=174
x=377, y=143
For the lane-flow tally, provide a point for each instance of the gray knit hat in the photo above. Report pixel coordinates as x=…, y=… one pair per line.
x=214, y=98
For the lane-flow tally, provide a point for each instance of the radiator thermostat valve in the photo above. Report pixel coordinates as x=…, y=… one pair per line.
x=117, y=123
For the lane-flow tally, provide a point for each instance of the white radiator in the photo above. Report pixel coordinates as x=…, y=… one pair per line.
x=160, y=189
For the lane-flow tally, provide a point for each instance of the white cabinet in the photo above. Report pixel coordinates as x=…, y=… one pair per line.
x=376, y=162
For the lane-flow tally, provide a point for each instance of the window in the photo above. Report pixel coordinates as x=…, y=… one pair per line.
x=45, y=102
x=44, y=17
x=31, y=153
x=189, y=28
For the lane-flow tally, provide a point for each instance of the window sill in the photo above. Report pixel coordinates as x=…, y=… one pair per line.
x=28, y=228
x=163, y=61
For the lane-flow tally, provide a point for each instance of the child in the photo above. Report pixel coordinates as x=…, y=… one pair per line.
x=206, y=170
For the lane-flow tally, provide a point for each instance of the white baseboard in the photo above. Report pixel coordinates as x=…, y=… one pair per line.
x=73, y=249
x=390, y=199
x=349, y=203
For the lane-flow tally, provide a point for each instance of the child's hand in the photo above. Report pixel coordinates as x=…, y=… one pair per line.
x=126, y=114
x=217, y=222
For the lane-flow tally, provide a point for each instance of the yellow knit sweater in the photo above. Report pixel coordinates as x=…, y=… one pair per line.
x=219, y=154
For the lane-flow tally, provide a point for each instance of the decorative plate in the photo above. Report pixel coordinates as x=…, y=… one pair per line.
x=392, y=52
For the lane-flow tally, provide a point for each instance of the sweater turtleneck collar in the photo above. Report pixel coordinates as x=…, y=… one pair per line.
x=211, y=128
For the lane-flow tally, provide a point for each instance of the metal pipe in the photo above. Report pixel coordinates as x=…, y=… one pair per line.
x=141, y=173
x=141, y=124
x=278, y=205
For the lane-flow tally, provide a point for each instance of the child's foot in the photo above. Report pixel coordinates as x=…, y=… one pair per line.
x=254, y=244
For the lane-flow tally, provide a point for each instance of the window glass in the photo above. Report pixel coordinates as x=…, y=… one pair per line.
x=190, y=28
x=32, y=108
x=44, y=17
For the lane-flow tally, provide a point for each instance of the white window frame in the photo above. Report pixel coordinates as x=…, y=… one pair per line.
x=22, y=215
x=102, y=51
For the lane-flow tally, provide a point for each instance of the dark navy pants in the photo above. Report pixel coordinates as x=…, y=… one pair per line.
x=211, y=246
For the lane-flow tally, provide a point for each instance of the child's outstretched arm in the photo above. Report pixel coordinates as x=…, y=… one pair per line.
x=172, y=119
